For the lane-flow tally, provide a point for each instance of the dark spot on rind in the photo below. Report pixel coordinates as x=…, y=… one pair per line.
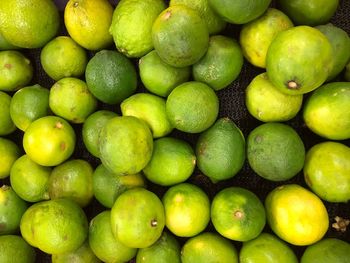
x=2, y=226
x=8, y=66
x=63, y=146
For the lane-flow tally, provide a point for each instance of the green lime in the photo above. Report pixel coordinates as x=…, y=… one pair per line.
x=9, y=153
x=208, y=248
x=29, y=104
x=55, y=226
x=192, y=115
x=49, y=140
x=63, y=57
x=7, y=125
x=30, y=180
x=71, y=99
x=15, y=249
x=108, y=186
x=16, y=70
x=29, y=23
x=222, y=63
x=92, y=127
x=238, y=214
x=180, y=36
x=110, y=76
x=12, y=207
x=83, y=254
x=137, y=218
x=103, y=243
x=173, y=161
x=187, y=209
x=132, y=25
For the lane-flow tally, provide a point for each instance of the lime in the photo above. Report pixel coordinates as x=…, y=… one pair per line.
x=110, y=76
x=126, y=145
x=62, y=57
x=9, y=153
x=208, y=248
x=137, y=218
x=222, y=63
x=29, y=23
x=30, y=180
x=29, y=104
x=159, y=77
x=296, y=215
x=180, y=36
x=16, y=70
x=11, y=210
x=108, y=186
x=55, y=226
x=187, y=209
x=166, y=249
x=189, y=115
x=91, y=130
x=102, y=242
x=88, y=21
x=49, y=140
x=71, y=99
x=7, y=125
x=83, y=254
x=132, y=25
x=237, y=214
x=173, y=161
x=72, y=180
x=268, y=104
x=15, y=249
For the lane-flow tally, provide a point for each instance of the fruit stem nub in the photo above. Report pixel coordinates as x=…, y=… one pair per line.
x=154, y=222
x=292, y=85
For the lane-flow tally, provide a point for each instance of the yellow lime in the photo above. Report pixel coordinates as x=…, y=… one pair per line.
x=9, y=153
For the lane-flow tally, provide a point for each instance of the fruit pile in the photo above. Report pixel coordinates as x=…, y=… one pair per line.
x=174, y=131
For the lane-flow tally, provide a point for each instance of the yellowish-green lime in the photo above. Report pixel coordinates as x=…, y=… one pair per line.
x=83, y=254
x=14, y=248
x=9, y=153
x=7, y=126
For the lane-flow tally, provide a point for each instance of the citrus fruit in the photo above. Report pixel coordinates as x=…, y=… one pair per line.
x=209, y=248
x=102, y=242
x=173, y=161
x=92, y=127
x=221, y=150
x=166, y=249
x=29, y=23
x=159, y=77
x=327, y=250
x=187, y=209
x=108, y=186
x=11, y=210
x=110, y=76
x=237, y=214
x=180, y=36
x=55, y=226
x=299, y=60
x=239, y=12
x=126, y=145
x=189, y=115
x=275, y=151
x=9, y=153
x=214, y=23
x=63, y=57
x=15, y=249
x=340, y=42
x=83, y=254
x=71, y=99
x=257, y=35
x=88, y=21
x=49, y=140
x=29, y=104
x=327, y=111
x=149, y=108
x=296, y=215
x=313, y=12
x=16, y=70
x=268, y=104
x=137, y=218
x=221, y=64
x=7, y=125
x=132, y=26
x=266, y=248
x=327, y=171
x=5, y=45
x=29, y=179
x=72, y=180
